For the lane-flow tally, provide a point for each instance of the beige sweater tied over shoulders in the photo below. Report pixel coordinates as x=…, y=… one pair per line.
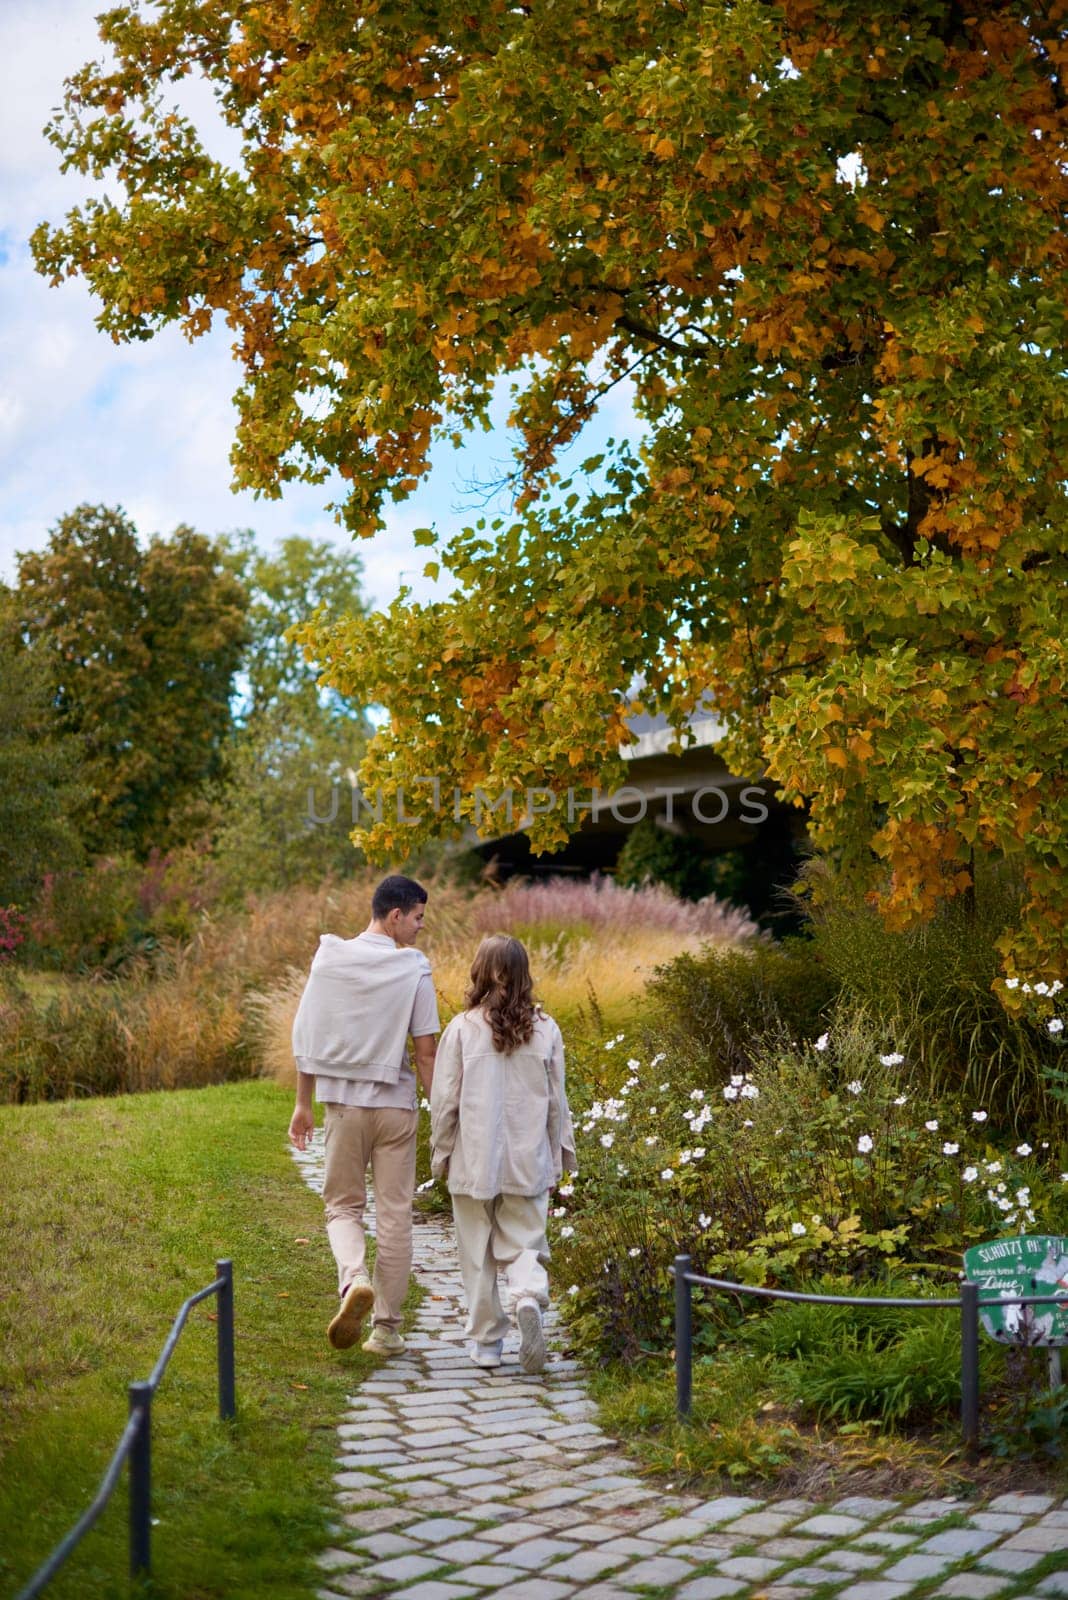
x=352, y=1021
x=500, y=1124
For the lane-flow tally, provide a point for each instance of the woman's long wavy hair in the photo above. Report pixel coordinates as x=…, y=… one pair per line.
x=502, y=986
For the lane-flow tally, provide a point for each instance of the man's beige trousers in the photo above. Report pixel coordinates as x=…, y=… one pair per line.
x=384, y=1139
x=507, y=1231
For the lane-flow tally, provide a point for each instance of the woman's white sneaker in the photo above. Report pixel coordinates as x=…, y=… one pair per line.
x=487, y=1355
x=531, y=1336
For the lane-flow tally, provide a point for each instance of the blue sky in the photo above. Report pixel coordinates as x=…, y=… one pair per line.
x=149, y=426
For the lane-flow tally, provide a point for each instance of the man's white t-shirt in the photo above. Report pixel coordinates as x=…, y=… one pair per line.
x=395, y=1096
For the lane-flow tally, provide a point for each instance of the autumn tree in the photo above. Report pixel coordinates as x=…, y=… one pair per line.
x=820, y=245
x=141, y=645
x=39, y=792
x=295, y=744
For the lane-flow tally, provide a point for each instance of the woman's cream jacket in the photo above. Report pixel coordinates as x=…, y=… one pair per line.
x=500, y=1124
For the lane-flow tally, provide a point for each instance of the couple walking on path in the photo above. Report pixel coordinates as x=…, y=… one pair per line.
x=501, y=1130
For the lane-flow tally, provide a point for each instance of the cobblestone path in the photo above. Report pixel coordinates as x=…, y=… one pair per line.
x=454, y=1482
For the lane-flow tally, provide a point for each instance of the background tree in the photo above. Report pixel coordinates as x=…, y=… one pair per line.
x=292, y=739
x=39, y=792
x=823, y=246
x=142, y=645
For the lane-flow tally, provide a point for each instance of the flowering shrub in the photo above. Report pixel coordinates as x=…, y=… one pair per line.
x=819, y=1159
x=12, y=931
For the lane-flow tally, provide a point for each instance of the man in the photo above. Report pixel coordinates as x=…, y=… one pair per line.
x=363, y=998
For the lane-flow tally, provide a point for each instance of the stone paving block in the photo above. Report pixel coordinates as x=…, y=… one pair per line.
x=972, y=1586
x=366, y=1430
x=997, y=1521
x=653, y=1573
x=709, y=1588
x=540, y=1589
x=816, y=1577
x=862, y=1505
x=438, y=1589
x=376, y=1519
x=958, y=1542
x=362, y=1499
x=914, y=1569
x=356, y=1480
x=1051, y=1541
x=874, y=1589
x=784, y=1591
x=851, y=1560
x=831, y=1525
x=761, y=1524
x=385, y=1544
x=405, y=1569
x=725, y=1507
x=561, y=1517
x=629, y=1545
x=450, y=1436
x=595, y=1532
x=675, y=1530
x=336, y=1560
x=489, y=1578
x=436, y=1530
x=604, y=1591
x=355, y=1583
x=885, y=1539
x=587, y=1564
x=468, y=1550
x=1011, y=1561
x=1056, y=1583
x=755, y=1568
x=1025, y=1505
x=536, y=1553
x=791, y=1549
x=562, y=1495
x=514, y=1532
x=447, y=1504
x=1055, y=1519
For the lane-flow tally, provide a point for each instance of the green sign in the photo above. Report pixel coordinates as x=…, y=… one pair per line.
x=1034, y=1264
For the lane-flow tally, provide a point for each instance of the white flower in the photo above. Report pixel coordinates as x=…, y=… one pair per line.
x=704, y=1222
x=1042, y=988
x=635, y=1250
x=856, y=1087
x=634, y=1065
x=668, y=1172
x=560, y=1211
x=1055, y=1025
x=901, y=1100
x=697, y=1094
x=950, y=1149
x=738, y=1078
x=822, y=1042
x=864, y=1144
x=797, y=1229
x=622, y=1170
x=652, y=1111
x=565, y=1233
x=573, y=1289
x=978, y=1116
x=608, y=1139
x=1023, y=1197
x=1004, y=1205
x=816, y=1220
x=1012, y=983
x=1056, y=986
x=1064, y=1177
x=664, y=1087
x=566, y=1189
x=655, y=1062
x=892, y=1060
x=750, y=1092
x=609, y=1044
x=748, y=1123
x=651, y=1139
x=993, y=1167
x=730, y=1092
x=698, y=1152
x=1023, y=1149
x=970, y=1174
x=932, y=1126
x=1026, y=988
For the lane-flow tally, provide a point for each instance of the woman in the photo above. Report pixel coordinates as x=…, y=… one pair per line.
x=501, y=1129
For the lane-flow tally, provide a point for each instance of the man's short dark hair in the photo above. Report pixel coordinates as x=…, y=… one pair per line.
x=396, y=893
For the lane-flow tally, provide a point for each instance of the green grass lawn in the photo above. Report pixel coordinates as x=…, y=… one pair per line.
x=112, y=1212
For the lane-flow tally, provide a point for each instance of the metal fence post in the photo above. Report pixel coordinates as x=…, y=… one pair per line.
x=225, y=1331
x=969, y=1364
x=140, y=1396
x=683, y=1337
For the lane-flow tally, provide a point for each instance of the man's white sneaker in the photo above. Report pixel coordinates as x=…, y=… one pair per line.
x=531, y=1336
x=487, y=1355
